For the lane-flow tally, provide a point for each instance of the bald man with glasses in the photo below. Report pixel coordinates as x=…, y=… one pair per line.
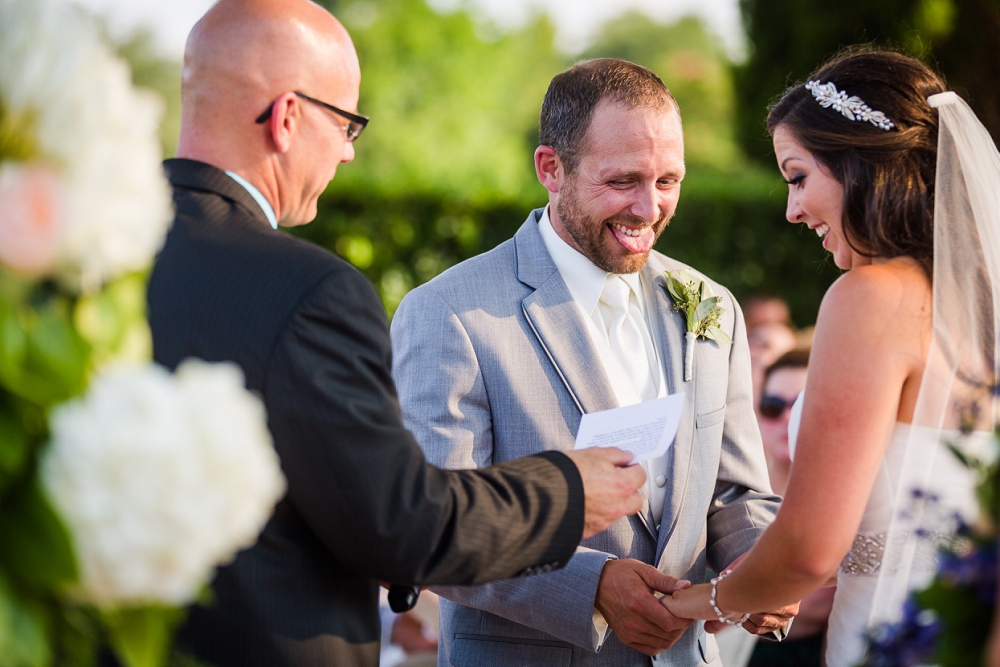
x=269, y=96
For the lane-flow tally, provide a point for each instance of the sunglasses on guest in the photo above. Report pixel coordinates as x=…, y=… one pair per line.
x=772, y=407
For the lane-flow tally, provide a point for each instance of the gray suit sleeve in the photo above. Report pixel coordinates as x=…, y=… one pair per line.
x=743, y=504
x=445, y=404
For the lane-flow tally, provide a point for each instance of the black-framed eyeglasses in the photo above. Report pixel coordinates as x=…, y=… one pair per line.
x=355, y=126
x=771, y=406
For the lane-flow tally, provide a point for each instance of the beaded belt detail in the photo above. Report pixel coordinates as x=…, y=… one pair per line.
x=865, y=556
x=867, y=552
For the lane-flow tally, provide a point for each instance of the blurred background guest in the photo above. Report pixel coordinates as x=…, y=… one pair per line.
x=782, y=382
x=770, y=332
x=768, y=341
x=409, y=639
x=765, y=309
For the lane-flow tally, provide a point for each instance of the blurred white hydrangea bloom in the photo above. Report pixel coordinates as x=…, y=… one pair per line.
x=61, y=86
x=160, y=478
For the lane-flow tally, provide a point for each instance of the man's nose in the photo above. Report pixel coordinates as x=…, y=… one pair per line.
x=647, y=204
x=348, y=152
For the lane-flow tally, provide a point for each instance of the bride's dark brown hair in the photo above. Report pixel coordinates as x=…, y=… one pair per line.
x=888, y=176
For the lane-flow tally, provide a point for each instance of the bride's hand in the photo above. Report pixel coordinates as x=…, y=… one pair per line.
x=693, y=602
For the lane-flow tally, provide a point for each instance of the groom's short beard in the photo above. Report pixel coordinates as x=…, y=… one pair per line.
x=588, y=233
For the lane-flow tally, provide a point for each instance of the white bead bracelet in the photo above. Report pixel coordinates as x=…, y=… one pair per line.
x=715, y=607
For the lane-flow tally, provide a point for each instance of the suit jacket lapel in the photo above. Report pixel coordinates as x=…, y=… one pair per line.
x=672, y=327
x=558, y=323
x=196, y=175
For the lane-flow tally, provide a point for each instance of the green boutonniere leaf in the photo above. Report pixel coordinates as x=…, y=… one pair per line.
x=700, y=305
x=704, y=308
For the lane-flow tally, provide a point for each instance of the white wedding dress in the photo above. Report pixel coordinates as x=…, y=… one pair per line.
x=895, y=550
x=859, y=574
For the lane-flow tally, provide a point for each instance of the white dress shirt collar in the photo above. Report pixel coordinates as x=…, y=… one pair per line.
x=258, y=197
x=584, y=279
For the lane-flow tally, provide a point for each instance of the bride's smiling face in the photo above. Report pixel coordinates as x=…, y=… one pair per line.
x=815, y=197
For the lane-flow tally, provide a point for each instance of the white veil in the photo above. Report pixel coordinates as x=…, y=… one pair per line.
x=957, y=393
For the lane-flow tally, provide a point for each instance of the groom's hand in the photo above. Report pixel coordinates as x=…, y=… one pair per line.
x=610, y=489
x=625, y=597
x=762, y=624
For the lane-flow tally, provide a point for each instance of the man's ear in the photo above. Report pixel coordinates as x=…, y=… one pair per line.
x=549, y=168
x=284, y=120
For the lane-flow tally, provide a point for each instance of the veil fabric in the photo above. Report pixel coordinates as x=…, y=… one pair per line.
x=957, y=402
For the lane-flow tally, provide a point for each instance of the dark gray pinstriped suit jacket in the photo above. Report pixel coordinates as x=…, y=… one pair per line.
x=363, y=505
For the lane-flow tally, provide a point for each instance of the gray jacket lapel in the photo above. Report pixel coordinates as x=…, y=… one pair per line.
x=558, y=324
x=672, y=328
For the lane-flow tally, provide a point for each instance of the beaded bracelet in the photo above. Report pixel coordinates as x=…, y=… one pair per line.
x=715, y=607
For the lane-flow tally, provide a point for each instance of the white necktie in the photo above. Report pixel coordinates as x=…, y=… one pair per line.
x=625, y=336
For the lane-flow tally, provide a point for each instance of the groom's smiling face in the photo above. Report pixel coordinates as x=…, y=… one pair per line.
x=618, y=200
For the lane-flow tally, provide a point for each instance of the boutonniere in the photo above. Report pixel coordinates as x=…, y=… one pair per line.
x=701, y=308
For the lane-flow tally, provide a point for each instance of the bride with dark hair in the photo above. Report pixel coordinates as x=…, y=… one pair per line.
x=901, y=183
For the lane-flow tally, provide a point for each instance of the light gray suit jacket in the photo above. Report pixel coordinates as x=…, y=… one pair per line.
x=493, y=361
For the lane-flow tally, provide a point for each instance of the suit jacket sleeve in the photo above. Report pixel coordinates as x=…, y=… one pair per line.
x=445, y=404
x=743, y=504
x=361, y=482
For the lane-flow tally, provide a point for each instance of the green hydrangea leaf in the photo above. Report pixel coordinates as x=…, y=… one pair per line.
x=77, y=635
x=721, y=336
x=141, y=636
x=24, y=636
x=113, y=321
x=55, y=359
x=15, y=445
x=13, y=344
x=35, y=547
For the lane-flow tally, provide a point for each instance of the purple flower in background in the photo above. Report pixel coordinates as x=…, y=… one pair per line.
x=976, y=569
x=908, y=643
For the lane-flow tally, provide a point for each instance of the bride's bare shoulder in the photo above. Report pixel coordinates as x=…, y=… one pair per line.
x=892, y=288
x=892, y=297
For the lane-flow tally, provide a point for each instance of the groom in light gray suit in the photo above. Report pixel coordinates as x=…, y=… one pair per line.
x=500, y=356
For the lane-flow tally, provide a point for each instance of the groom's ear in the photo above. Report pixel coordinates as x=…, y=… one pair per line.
x=549, y=168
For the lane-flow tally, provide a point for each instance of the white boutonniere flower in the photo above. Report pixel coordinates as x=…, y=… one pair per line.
x=701, y=308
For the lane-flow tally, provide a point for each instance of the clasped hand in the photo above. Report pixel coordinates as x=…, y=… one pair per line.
x=694, y=602
x=627, y=598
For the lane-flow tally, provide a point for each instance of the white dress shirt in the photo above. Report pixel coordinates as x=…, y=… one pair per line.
x=586, y=283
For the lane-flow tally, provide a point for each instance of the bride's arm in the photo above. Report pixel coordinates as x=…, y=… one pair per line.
x=871, y=338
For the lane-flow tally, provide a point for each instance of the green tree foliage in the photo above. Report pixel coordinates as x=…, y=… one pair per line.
x=964, y=37
x=453, y=105
x=692, y=63
x=788, y=39
x=791, y=38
